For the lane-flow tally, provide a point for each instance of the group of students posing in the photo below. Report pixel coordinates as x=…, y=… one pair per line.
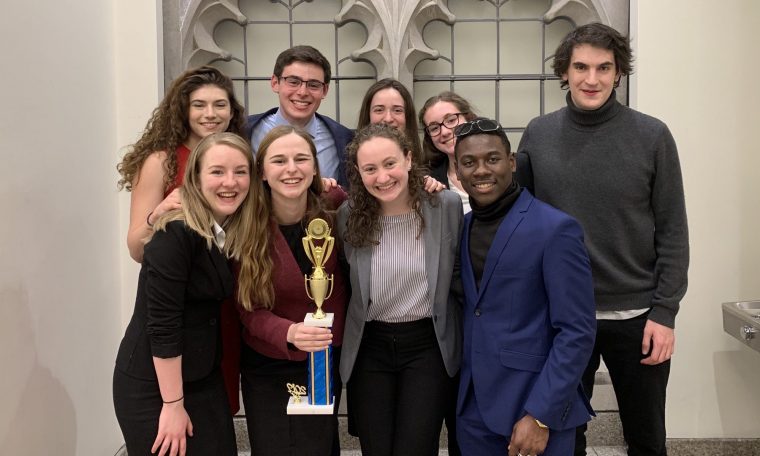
x=486, y=320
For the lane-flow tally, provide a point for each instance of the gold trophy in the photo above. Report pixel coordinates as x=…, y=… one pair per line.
x=319, y=286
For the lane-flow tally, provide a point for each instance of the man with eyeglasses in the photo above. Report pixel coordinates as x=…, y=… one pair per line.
x=617, y=171
x=301, y=80
x=528, y=309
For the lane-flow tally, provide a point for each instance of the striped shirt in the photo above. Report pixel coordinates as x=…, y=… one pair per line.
x=398, y=289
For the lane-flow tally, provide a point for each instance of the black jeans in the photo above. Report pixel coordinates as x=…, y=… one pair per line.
x=398, y=389
x=640, y=389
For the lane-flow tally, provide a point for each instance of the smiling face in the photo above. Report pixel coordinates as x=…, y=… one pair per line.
x=438, y=113
x=484, y=167
x=384, y=169
x=591, y=76
x=208, y=112
x=299, y=104
x=388, y=106
x=224, y=179
x=289, y=168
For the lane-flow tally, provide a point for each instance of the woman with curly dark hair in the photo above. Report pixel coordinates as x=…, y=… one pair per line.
x=402, y=338
x=199, y=102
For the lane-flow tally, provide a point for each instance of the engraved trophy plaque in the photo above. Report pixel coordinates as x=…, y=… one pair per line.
x=318, y=245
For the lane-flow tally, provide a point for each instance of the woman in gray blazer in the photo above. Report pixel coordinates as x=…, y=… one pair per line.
x=402, y=338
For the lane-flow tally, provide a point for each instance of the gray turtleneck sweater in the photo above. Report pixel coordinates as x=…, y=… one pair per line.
x=617, y=171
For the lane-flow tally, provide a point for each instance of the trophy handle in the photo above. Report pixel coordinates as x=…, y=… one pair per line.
x=330, y=280
x=307, y=248
x=328, y=247
x=306, y=284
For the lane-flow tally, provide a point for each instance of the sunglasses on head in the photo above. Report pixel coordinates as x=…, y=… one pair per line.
x=474, y=126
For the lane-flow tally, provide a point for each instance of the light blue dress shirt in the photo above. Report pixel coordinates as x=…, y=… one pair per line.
x=327, y=153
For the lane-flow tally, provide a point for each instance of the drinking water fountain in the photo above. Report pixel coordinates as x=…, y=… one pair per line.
x=742, y=321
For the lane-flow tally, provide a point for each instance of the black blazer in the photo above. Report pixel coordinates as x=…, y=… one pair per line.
x=179, y=294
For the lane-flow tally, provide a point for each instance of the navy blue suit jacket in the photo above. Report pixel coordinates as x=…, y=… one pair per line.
x=529, y=328
x=341, y=135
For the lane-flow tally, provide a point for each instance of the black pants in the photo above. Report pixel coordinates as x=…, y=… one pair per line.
x=271, y=431
x=398, y=389
x=450, y=418
x=138, y=404
x=639, y=389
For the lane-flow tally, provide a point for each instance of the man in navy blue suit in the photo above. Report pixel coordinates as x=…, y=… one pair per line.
x=301, y=80
x=529, y=320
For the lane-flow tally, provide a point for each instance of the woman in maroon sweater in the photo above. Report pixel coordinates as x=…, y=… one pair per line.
x=289, y=195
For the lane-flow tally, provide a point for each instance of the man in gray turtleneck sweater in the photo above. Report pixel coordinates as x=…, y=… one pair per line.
x=617, y=171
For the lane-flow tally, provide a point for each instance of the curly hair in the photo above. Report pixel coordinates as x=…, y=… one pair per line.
x=432, y=155
x=169, y=127
x=363, y=224
x=255, y=278
x=599, y=36
x=411, y=130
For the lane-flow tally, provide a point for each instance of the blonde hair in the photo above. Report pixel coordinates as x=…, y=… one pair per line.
x=255, y=278
x=196, y=211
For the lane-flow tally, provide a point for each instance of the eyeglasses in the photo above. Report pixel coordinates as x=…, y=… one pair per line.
x=450, y=121
x=484, y=125
x=294, y=82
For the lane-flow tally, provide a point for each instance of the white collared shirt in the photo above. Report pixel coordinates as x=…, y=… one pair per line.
x=219, y=235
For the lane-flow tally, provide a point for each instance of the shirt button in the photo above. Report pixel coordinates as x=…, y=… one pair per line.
x=212, y=321
x=477, y=312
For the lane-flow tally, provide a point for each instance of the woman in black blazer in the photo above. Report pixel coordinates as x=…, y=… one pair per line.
x=167, y=382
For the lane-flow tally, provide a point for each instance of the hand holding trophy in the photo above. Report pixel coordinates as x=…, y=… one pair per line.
x=319, y=287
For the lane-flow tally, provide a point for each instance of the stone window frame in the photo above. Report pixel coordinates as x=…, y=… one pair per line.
x=395, y=30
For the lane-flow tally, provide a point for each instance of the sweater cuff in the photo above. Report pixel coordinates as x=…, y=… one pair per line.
x=663, y=315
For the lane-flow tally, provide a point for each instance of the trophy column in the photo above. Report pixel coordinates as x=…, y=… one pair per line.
x=318, y=245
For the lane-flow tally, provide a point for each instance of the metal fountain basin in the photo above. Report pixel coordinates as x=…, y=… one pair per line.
x=741, y=320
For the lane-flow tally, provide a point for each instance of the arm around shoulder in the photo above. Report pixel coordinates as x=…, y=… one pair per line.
x=147, y=203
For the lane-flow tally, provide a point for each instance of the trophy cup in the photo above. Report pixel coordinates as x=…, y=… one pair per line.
x=318, y=245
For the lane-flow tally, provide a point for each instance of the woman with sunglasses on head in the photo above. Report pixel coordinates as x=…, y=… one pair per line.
x=167, y=382
x=289, y=194
x=439, y=116
x=201, y=101
x=402, y=340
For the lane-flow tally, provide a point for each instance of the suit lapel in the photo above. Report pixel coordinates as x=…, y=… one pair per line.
x=432, y=238
x=468, y=276
x=503, y=235
x=364, y=270
x=222, y=266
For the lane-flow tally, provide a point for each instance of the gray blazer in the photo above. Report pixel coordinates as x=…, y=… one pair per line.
x=443, y=227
